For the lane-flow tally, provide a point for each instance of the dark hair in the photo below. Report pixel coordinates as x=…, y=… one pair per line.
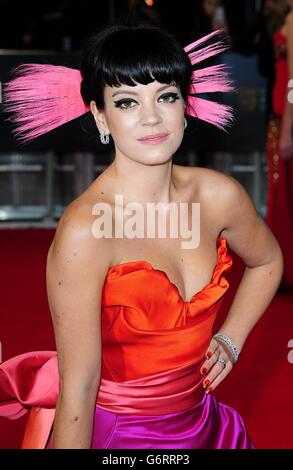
x=129, y=55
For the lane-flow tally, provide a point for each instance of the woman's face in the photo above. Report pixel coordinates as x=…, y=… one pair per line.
x=146, y=121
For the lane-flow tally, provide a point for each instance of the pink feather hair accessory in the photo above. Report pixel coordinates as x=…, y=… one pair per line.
x=209, y=80
x=42, y=97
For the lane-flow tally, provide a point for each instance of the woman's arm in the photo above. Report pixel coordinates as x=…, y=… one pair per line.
x=77, y=264
x=286, y=137
x=251, y=239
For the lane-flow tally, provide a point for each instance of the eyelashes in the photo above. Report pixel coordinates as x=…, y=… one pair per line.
x=125, y=103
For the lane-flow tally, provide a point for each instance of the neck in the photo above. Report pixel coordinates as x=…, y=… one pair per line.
x=141, y=182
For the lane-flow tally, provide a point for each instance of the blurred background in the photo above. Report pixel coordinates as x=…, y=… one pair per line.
x=39, y=180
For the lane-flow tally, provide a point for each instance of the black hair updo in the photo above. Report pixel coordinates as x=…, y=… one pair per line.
x=129, y=55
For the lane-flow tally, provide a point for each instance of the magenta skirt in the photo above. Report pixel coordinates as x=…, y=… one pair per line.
x=209, y=424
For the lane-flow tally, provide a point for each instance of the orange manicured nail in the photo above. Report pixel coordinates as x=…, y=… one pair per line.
x=209, y=353
x=209, y=389
x=203, y=371
x=206, y=383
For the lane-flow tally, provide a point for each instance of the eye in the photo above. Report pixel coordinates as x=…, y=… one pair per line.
x=124, y=103
x=169, y=97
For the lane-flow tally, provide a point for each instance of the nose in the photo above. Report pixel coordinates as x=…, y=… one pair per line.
x=150, y=115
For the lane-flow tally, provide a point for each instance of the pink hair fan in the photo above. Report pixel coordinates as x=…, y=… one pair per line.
x=208, y=80
x=42, y=97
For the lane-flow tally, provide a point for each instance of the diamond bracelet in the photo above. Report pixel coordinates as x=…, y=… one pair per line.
x=230, y=343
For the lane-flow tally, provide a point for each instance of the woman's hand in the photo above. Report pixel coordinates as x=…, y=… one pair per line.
x=214, y=370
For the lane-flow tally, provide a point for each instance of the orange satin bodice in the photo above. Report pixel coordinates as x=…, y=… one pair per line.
x=148, y=328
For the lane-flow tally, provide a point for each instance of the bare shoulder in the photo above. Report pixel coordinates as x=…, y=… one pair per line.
x=75, y=238
x=227, y=201
x=227, y=196
x=216, y=191
x=217, y=186
x=208, y=187
x=208, y=183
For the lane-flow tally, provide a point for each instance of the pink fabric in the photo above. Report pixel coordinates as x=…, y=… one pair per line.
x=26, y=380
x=31, y=382
x=209, y=424
x=167, y=392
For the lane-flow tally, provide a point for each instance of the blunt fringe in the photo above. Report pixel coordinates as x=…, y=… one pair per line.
x=127, y=55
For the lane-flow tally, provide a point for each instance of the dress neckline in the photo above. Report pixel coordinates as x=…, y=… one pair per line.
x=152, y=268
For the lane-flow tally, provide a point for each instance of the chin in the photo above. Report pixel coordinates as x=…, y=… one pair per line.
x=156, y=158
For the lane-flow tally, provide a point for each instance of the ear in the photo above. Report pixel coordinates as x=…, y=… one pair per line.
x=99, y=117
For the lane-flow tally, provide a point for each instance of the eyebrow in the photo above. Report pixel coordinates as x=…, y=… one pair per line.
x=120, y=92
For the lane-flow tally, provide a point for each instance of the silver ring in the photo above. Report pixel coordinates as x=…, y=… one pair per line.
x=222, y=361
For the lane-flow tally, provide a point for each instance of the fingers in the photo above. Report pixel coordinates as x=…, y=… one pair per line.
x=216, y=375
x=210, y=355
x=214, y=370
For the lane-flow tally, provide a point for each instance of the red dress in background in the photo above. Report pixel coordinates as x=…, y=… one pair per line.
x=279, y=216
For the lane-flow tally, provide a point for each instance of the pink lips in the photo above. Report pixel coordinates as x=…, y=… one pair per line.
x=153, y=139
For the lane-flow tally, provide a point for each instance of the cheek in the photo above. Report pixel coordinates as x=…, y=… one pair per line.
x=175, y=115
x=175, y=122
x=121, y=121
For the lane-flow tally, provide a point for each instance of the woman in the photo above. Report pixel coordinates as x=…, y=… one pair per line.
x=279, y=215
x=133, y=316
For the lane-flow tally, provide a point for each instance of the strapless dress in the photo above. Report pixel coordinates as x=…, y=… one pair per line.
x=153, y=345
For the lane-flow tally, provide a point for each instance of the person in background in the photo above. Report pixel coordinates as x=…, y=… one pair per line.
x=257, y=38
x=279, y=216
